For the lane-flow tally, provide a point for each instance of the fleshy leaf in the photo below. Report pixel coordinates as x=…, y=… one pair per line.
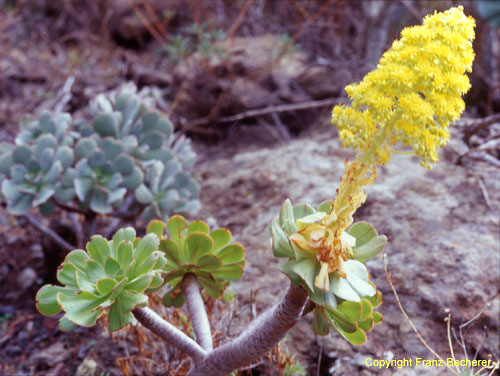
x=319, y=324
x=198, y=226
x=221, y=237
x=287, y=219
x=307, y=269
x=77, y=257
x=79, y=311
x=129, y=300
x=324, y=298
x=98, y=249
x=367, y=310
x=175, y=226
x=363, y=232
x=66, y=274
x=352, y=310
x=357, y=277
x=370, y=249
x=156, y=227
x=117, y=290
x=342, y=288
x=229, y=272
x=171, y=250
x=356, y=338
x=124, y=253
x=209, y=262
x=325, y=206
x=376, y=299
x=287, y=268
x=145, y=247
x=105, y=285
x=231, y=253
x=127, y=233
x=280, y=243
x=140, y=283
x=111, y=266
x=377, y=318
x=116, y=318
x=66, y=325
x=339, y=320
x=197, y=244
x=95, y=270
x=302, y=210
x=46, y=300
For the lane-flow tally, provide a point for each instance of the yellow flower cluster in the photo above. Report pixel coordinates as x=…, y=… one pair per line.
x=415, y=92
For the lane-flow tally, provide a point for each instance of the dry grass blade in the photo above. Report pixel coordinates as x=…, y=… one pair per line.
x=156, y=20
x=237, y=22
x=424, y=342
x=448, y=331
x=159, y=38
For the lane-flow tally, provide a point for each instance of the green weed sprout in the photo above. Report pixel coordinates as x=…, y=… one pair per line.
x=410, y=99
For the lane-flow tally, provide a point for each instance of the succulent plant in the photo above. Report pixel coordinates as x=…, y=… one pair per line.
x=352, y=320
x=36, y=172
x=104, y=173
x=118, y=273
x=334, y=303
x=112, y=274
x=196, y=250
x=127, y=149
x=168, y=187
x=59, y=125
x=125, y=117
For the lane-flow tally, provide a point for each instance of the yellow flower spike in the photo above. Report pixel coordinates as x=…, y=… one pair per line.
x=416, y=89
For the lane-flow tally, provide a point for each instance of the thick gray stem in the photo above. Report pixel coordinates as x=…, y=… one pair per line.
x=262, y=335
x=169, y=333
x=196, y=309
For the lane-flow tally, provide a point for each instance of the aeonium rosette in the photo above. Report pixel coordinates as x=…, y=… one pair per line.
x=330, y=267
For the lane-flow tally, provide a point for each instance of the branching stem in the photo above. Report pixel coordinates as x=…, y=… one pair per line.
x=196, y=309
x=169, y=333
x=261, y=336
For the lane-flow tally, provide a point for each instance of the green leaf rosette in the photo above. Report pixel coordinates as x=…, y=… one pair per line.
x=112, y=275
x=194, y=249
x=348, y=301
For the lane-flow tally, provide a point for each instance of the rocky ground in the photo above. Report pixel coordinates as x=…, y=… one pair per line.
x=443, y=250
